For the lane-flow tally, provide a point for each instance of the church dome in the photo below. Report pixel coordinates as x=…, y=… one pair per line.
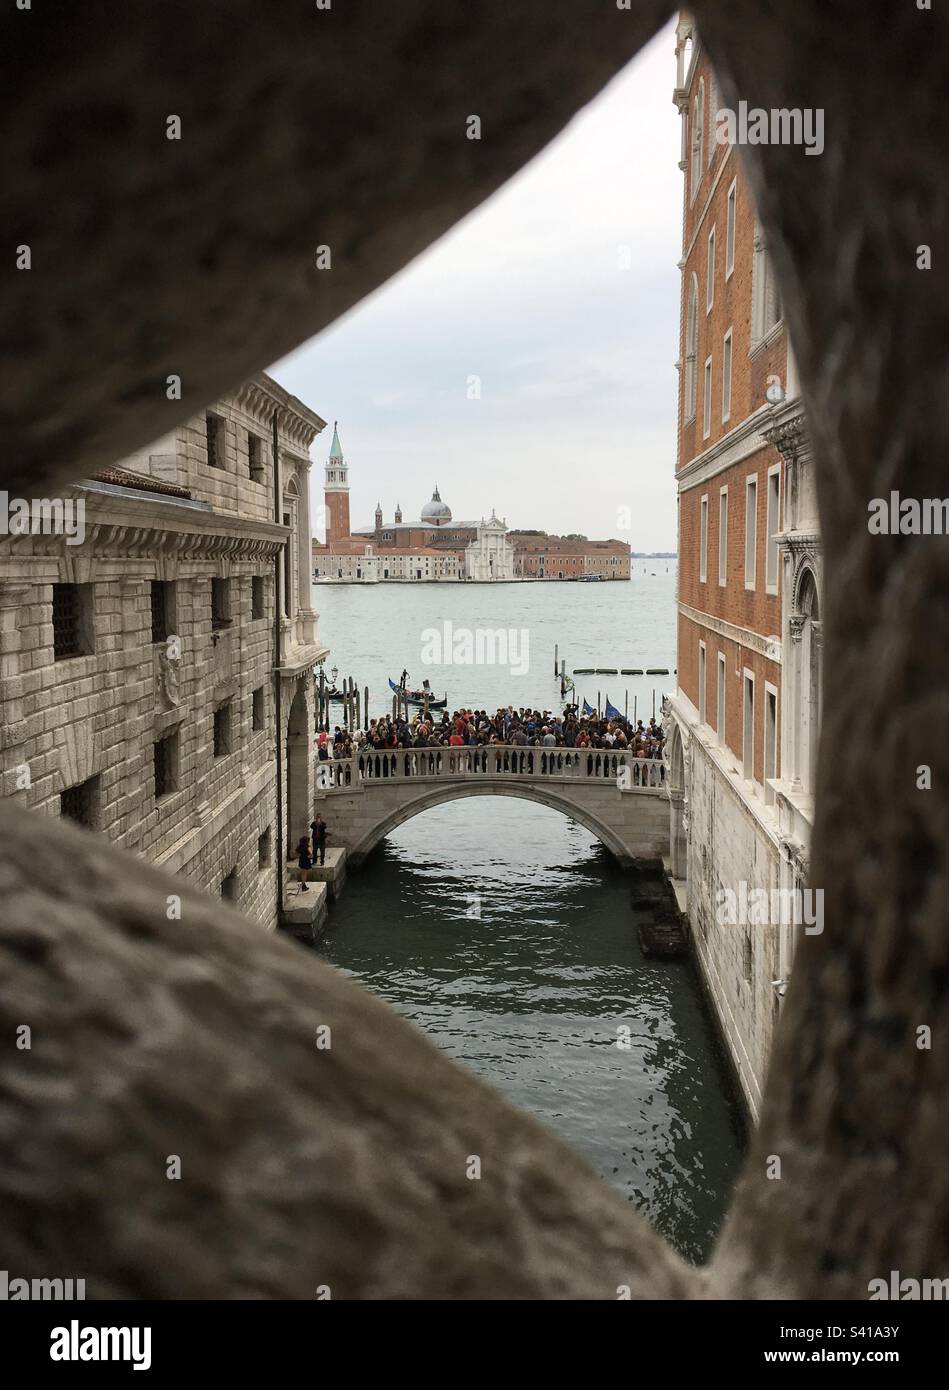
x=436, y=512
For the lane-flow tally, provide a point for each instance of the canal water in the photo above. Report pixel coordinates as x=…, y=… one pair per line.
x=503, y=929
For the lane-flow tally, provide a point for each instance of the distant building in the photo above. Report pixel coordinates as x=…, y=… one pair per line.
x=539, y=556
x=142, y=665
x=743, y=724
x=437, y=547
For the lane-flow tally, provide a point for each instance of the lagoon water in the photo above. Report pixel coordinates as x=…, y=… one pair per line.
x=502, y=929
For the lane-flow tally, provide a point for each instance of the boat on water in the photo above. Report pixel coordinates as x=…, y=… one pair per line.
x=418, y=697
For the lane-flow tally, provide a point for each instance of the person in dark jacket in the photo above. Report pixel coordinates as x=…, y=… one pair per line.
x=319, y=832
x=304, y=861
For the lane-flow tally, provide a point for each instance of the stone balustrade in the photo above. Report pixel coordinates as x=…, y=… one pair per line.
x=621, y=768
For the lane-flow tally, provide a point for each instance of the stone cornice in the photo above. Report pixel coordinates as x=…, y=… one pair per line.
x=740, y=443
x=261, y=396
x=768, y=647
x=135, y=528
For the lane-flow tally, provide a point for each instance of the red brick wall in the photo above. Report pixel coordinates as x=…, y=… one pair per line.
x=753, y=609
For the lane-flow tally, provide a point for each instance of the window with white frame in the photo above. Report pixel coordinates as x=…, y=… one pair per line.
x=698, y=126
x=770, y=739
x=723, y=537
x=701, y=682
x=720, y=700
x=765, y=299
x=710, y=272
x=748, y=728
x=727, y=377
x=703, y=540
x=730, y=228
x=751, y=530
x=773, y=523
x=691, y=350
x=707, y=399
x=713, y=102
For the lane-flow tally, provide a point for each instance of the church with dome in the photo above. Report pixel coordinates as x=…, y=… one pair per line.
x=439, y=547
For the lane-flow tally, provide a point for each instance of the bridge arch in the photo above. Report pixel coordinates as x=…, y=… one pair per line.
x=440, y=793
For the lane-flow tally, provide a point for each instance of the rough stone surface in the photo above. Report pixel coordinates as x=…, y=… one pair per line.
x=301, y=1165
x=300, y=128
x=202, y=267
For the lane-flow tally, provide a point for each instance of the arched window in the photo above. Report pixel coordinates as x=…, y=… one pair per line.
x=765, y=296
x=691, y=350
x=806, y=634
x=698, y=134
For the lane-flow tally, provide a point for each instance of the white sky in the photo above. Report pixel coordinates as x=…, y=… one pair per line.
x=577, y=418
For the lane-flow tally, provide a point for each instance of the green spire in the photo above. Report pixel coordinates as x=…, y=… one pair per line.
x=336, y=451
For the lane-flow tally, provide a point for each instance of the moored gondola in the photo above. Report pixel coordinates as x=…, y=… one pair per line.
x=418, y=697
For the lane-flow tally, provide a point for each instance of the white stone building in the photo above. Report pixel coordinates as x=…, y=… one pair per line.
x=491, y=554
x=143, y=669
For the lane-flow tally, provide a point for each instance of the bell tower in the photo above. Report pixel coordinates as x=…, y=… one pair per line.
x=336, y=493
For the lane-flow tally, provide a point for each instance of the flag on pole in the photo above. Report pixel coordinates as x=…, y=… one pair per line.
x=588, y=709
x=611, y=711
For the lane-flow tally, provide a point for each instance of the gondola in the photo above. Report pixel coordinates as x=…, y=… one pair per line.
x=418, y=697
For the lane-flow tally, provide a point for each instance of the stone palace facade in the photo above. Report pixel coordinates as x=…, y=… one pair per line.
x=156, y=676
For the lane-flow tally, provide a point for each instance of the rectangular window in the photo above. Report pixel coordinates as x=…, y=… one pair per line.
x=166, y=765
x=222, y=730
x=727, y=377
x=81, y=803
x=747, y=957
x=215, y=434
x=710, y=272
x=723, y=537
x=751, y=531
x=229, y=887
x=773, y=522
x=257, y=609
x=748, y=729
x=163, y=610
x=707, y=400
x=255, y=458
x=701, y=682
x=720, y=699
x=703, y=540
x=263, y=849
x=220, y=603
x=770, y=740
x=258, y=707
x=73, y=623
x=730, y=229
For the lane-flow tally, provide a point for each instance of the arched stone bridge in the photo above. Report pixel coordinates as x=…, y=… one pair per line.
x=621, y=799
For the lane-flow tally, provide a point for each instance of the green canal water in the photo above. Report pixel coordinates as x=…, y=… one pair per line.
x=503, y=930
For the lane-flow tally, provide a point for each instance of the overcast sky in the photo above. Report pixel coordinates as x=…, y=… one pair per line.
x=561, y=293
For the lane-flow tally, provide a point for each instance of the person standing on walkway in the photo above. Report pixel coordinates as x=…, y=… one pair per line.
x=319, y=831
x=304, y=861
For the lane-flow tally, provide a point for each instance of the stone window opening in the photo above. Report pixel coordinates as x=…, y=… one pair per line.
x=163, y=609
x=263, y=849
x=165, y=759
x=220, y=604
x=73, y=621
x=257, y=597
x=255, y=458
x=214, y=427
x=81, y=803
x=222, y=730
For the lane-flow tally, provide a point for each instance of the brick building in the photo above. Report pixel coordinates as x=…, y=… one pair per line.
x=143, y=665
x=744, y=719
x=540, y=556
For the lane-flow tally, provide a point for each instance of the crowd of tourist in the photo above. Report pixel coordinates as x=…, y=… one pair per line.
x=518, y=727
